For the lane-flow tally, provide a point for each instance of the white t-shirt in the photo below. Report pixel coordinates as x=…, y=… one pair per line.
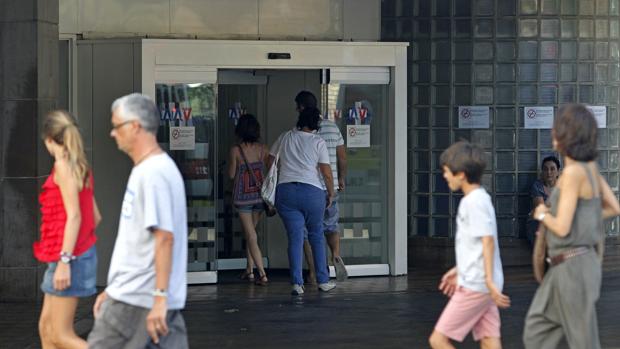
x=154, y=198
x=330, y=133
x=475, y=219
x=300, y=156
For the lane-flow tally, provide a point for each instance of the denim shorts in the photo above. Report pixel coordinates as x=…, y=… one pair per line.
x=83, y=276
x=260, y=207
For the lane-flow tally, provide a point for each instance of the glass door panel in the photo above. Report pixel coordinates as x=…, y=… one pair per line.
x=360, y=111
x=187, y=132
x=234, y=100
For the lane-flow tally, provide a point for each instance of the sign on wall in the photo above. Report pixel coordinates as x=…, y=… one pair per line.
x=538, y=117
x=473, y=117
x=358, y=136
x=182, y=138
x=600, y=114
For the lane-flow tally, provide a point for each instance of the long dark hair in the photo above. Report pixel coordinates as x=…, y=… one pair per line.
x=310, y=118
x=248, y=129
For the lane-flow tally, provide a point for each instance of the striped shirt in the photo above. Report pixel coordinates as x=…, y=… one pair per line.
x=330, y=132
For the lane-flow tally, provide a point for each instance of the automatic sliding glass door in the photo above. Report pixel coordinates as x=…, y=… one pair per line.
x=187, y=132
x=357, y=102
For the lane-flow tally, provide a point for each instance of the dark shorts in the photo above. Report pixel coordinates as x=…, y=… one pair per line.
x=121, y=325
x=83, y=276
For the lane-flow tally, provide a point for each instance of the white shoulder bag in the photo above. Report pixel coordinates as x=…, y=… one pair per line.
x=268, y=190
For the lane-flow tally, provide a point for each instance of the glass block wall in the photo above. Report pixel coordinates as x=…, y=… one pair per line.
x=506, y=54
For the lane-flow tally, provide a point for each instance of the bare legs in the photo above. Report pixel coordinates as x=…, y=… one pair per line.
x=56, y=323
x=310, y=262
x=254, y=255
x=333, y=241
x=440, y=341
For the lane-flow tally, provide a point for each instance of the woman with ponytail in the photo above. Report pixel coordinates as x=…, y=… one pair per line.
x=69, y=215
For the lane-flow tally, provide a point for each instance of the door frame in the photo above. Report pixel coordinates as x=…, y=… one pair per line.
x=192, y=61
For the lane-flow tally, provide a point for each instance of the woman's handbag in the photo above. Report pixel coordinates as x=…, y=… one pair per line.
x=270, y=210
x=540, y=254
x=268, y=190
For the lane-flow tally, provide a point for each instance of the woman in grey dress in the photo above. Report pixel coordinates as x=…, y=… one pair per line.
x=564, y=304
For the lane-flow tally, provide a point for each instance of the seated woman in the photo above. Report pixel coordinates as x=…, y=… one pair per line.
x=541, y=189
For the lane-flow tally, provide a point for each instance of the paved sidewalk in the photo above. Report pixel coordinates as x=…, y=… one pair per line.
x=377, y=312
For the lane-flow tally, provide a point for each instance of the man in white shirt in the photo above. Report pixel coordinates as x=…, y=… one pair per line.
x=147, y=278
x=330, y=133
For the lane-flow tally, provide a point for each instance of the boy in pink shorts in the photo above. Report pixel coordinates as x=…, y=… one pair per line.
x=475, y=284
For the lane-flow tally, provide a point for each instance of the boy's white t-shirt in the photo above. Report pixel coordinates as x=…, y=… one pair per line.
x=475, y=219
x=154, y=198
x=300, y=156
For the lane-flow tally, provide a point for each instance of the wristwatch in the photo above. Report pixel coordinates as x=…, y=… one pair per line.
x=541, y=216
x=66, y=257
x=160, y=292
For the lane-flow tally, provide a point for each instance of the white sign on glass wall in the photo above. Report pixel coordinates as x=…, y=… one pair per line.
x=473, y=117
x=538, y=117
x=358, y=136
x=600, y=114
x=182, y=138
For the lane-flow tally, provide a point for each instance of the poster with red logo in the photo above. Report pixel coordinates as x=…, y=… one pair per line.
x=358, y=136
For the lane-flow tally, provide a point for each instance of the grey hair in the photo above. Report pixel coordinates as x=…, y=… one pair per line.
x=140, y=107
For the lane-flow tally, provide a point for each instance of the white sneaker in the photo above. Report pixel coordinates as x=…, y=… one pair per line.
x=297, y=290
x=326, y=287
x=341, y=270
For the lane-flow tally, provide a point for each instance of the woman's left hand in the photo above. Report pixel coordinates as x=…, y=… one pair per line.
x=62, y=276
x=541, y=208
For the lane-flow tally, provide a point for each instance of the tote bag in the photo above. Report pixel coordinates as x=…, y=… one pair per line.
x=268, y=190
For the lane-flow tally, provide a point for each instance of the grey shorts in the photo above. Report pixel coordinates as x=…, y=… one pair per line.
x=330, y=219
x=121, y=325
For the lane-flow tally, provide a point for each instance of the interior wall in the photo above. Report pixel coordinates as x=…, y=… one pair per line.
x=106, y=71
x=282, y=87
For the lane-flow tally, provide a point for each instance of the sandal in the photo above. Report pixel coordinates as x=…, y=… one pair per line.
x=262, y=280
x=247, y=276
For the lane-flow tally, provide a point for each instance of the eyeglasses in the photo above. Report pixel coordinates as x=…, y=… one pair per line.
x=116, y=127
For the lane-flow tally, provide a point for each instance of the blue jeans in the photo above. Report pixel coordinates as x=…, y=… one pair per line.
x=301, y=207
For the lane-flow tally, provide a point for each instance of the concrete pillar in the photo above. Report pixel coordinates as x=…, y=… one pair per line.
x=28, y=89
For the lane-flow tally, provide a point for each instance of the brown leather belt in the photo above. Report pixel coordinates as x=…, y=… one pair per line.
x=568, y=254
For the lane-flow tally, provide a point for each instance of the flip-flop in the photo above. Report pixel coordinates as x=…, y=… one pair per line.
x=341, y=270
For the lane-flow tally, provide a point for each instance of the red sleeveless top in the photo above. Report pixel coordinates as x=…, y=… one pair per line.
x=54, y=218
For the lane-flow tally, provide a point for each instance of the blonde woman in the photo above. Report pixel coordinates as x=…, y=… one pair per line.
x=69, y=215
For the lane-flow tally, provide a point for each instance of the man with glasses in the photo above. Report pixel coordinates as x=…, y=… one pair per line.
x=147, y=285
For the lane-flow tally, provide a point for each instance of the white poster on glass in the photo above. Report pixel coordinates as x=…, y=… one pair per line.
x=474, y=117
x=358, y=136
x=600, y=114
x=182, y=138
x=538, y=117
